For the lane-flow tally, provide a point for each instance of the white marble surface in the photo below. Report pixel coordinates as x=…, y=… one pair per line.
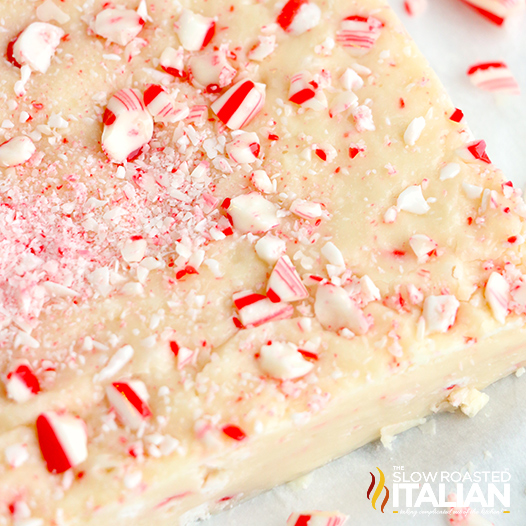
x=453, y=38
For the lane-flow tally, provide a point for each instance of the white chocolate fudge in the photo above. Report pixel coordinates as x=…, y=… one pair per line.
x=238, y=240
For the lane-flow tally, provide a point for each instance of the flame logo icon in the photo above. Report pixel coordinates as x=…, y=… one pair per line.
x=378, y=491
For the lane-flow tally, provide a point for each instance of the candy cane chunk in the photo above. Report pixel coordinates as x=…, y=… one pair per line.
x=281, y=360
x=335, y=310
x=16, y=151
x=285, y=283
x=325, y=151
x=118, y=25
x=195, y=31
x=129, y=399
x=262, y=181
x=358, y=34
x=415, y=7
x=256, y=309
x=240, y=104
x=128, y=126
x=36, y=46
x=412, y=200
x=496, y=11
x=162, y=107
x=440, y=313
x=497, y=294
x=16, y=455
x=474, y=151
x=134, y=249
x=422, y=246
x=264, y=48
x=172, y=61
x=470, y=401
x=63, y=441
x=449, y=171
x=317, y=518
x=270, y=248
x=306, y=92
x=245, y=148
x=414, y=130
x=48, y=10
x=299, y=16
x=211, y=71
x=495, y=77
x=253, y=213
x=21, y=384
x=363, y=118
x=342, y=102
x=306, y=209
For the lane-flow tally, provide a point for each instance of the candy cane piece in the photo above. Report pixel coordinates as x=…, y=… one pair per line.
x=240, y=103
x=496, y=11
x=129, y=399
x=412, y=200
x=422, y=246
x=211, y=71
x=306, y=92
x=415, y=7
x=256, y=309
x=195, y=31
x=440, y=312
x=495, y=77
x=21, y=384
x=299, y=16
x=317, y=518
x=16, y=151
x=358, y=34
x=265, y=47
x=282, y=360
x=128, y=126
x=253, y=213
x=118, y=25
x=285, y=283
x=161, y=106
x=172, y=61
x=497, y=294
x=244, y=148
x=62, y=439
x=474, y=151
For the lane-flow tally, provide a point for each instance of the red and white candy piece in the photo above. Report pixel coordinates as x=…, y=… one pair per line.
x=35, y=46
x=270, y=248
x=497, y=294
x=363, y=118
x=282, y=360
x=118, y=25
x=285, y=283
x=256, y=309
x=495, y=77
x=265, y=47
x=172, y=61
x=474, y=151
x=195, y=31
x=412, y=200
x=129, y=399
x=21, y=384
x=317, y=518
x=211, y=71
x=415, y=7
x=496, y=11
x=440, y=312
x=128, y=125
x=306, y=209
x=245, y=148
x=358, y=34
x=162, y=107
x=261, y=180
x=240, y=103
x=16, y=151
x=422, y=246
x=306, y=92
x=299, y=16
x=325, y=151
x=253, y=213
x=335, y=310
x=134, y=249
x=63, y=440
x=342, y=102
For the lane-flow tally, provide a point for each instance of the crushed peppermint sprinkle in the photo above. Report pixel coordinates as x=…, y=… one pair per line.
x=358, y=34
x=496, y=11
x=282, y=360
x=299, y=16
x=495, y=77
x=317, y=518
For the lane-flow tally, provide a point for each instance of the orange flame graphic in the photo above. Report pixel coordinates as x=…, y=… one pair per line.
x=378, y=491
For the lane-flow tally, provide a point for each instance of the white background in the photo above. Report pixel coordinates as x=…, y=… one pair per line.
x=453, y=38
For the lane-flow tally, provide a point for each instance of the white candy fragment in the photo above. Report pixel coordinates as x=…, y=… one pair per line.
x=48, y=10
x=468, y=399
x=369, y=291
x=128, y=126
x=256, y=309
x=472, y=191
x=306, y=209
x=16, y=151
x=317, y=518
x=195, y=31
x=36, y=45
x=253, y=213
x=297, y=17
x=497, y=294
x=325, y=151
x=440, y=312
x=306, y=92
x=245, y=148
x=412, y=200
x=333, y=254
x=118, y=25
x=162, y=107
x=422, y=246
x=129, y=399
x=342, y=102
x=211, y=71
x=363, y=118
x=351, y=80
x=262, y=181
x=282, y=360
x=495, y=77
x=335, y=310
x=270, y=248
x=240, y=103
x=63, y=440
x=449, y=171
x=121, y=357
x=21, y=384
x=264, y=48
x=414, y=130
x=285, y=283
x=134, y=249
x=474, y=151
x=172, y=61
x=358, y=34
x=16, y=455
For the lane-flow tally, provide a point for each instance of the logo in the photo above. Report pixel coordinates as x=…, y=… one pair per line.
x=378, y=491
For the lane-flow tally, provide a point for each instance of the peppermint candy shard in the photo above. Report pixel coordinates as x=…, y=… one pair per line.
x=128, y=126
x=35, y=46
x=63, y=441
x=195, y=31
x=118, y=25
x=234, y=432
x=211, y=71
x=245, y=148
x=16, y=151
x=457, y=115
x=299, y=16
x=283, y=361
x=161, y=106
x=497, y=294
x=496, y=11
x=474, y=151
x=21, y=383
x=358, y=34
x=440, y=312
x=256, y=309
x=253, y=213
x=305, y=92
x=172, y=62
x=285, y=283
x=239, y=104
x=129, y=399
x=317, y=518
x=495, y=77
